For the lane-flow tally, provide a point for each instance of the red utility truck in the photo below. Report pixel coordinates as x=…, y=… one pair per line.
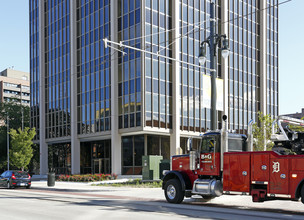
x=225, y=164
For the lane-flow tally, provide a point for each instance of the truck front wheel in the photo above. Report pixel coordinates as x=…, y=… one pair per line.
x=173, y=191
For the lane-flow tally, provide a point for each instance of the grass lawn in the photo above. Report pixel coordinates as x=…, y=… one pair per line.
x=137, y=183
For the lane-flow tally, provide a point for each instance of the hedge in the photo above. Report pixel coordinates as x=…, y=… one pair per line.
x=86, y=177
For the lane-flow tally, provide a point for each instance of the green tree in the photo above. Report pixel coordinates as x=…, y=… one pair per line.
x=262, y=132
x=14, y=111
x=21, y=151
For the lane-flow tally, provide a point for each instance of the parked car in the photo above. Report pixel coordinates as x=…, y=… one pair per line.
x=15, y=178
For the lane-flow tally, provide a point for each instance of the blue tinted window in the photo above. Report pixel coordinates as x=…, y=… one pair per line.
x=155, y=18
x=106, y=11
x=138, y=68
x=125, y=6
x=137, y=16
x=91, y=7
x=132, y=86
x=101, y=16
x=148, y=3
x=131, y=17
x=155, y=86
x=137, y=3
x=102, y=97
x=131, y=5
x=107, y=30
x=125, y=21
x=155, y=5
x=107, y=92
x=148, y=84
x=138, y=85
x=148, y=16
x=126, y=88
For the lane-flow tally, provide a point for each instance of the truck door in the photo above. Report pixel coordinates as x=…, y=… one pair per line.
x=279, y=176
x=210, y=156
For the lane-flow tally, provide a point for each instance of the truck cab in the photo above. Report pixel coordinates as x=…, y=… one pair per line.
x=200, y=172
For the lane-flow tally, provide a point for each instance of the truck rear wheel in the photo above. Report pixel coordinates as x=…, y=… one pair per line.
x=173, y=191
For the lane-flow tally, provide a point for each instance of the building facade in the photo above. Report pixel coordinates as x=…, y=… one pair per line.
x=99, y=109
x=15, y=85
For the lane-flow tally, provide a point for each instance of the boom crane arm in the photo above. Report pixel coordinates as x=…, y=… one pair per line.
x=287, y=138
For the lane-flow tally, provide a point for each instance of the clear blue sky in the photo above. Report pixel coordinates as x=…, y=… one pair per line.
x=291, y=57
x=14, y=34
x=14, y=47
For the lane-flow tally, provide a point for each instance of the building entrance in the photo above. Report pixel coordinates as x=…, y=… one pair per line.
x=101, y=157
x=101, y=166
x=97, y=166
x=132, y=152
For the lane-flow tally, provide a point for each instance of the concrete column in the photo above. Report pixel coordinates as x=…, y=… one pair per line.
x=263, y=62
x=263, y=54
x=115, y=136
x=225, y=63
x=175, y=136
x=42, y=144
x=75, y=143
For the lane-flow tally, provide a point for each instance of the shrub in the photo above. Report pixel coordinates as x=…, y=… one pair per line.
x=86, y=177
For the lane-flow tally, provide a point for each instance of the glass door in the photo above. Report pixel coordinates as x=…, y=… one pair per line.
x=101, y=153
x=97, y=166
x=132, y=152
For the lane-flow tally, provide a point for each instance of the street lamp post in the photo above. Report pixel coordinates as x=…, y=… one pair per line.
x=22, y=120
x=7, y=120
x=213, y=41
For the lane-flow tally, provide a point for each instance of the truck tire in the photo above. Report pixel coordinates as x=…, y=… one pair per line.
x=173, y=191
x=302, y=194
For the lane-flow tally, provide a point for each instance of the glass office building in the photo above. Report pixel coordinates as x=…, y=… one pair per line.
x=99, y=109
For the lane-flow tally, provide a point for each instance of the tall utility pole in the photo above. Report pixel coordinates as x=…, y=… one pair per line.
x=213, y=41
x=213, y=73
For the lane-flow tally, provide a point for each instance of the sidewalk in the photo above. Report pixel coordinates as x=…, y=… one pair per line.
x=157, y=194
x=127, y=192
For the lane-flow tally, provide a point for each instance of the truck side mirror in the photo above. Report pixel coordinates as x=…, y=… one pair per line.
x=192, y=160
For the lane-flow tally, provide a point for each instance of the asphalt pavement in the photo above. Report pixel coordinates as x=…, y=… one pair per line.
x=157, y=194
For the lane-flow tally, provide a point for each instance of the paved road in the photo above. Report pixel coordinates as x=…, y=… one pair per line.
x=89, y=202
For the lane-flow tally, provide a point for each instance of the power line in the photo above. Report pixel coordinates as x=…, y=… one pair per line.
x=242, y=16
x=200, y=23
x=192, y=30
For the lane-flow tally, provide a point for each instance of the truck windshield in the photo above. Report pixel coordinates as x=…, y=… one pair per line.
x=208, y=144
